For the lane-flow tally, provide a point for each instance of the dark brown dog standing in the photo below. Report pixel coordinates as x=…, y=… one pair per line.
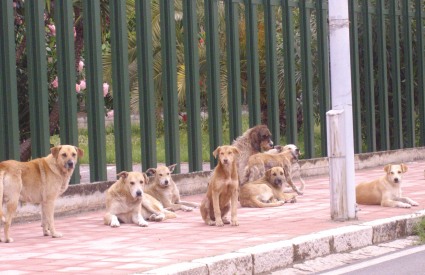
x=40, y=180
x=222, y=193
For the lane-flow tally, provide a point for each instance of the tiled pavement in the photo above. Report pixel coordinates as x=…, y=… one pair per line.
x=89, y=247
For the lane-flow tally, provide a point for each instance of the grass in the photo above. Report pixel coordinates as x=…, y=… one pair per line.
x=419, y=230
x=160, y=146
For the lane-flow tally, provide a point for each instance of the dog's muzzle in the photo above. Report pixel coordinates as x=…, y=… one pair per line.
x=69, y=164
x=396, y=180
x=139, y=193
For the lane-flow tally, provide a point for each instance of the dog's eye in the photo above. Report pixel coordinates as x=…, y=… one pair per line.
x=392, y=173
x=274, y=174
x=281, y=173
x=132, y=182
x=64, y=155
x=141, y=182
x=160, y=175
x=399, y=172
x=74, y=154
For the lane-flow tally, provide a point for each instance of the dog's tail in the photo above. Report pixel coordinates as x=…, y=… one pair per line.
x=169, y=214
x=1, y=195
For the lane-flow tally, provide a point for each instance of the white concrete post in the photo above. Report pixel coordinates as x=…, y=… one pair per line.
x=340, y=118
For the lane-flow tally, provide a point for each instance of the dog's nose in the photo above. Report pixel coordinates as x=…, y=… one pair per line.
x=396, y=180
x=166, y=182
x=139, y=193
x=70, y=164
x=225, y=160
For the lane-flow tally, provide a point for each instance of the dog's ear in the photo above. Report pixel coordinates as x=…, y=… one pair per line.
x=171, y=167
x=123, y=174
x=79, y=151
x=55, y=151
x=146, y=178
x=279, y=148
x=268, y=173
x=236, y=150
x=255, y=138
x=403, y=168
x=387, y=168
x=151, y=171
x=216, y=151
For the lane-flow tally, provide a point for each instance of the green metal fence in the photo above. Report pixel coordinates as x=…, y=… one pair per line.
x=271, y=55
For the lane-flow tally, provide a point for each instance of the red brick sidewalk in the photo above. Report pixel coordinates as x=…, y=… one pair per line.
x=89, y=247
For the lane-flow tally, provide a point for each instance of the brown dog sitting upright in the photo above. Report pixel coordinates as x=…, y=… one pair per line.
x=124, y=200
x=253, y=141
x=266, y=191
x=40, y=180
x=386, y=190
x=222, y=193
x=165, y=190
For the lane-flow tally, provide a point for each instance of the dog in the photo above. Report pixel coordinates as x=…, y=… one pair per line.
x=40, y=180
x=266, y=191
x=124, y=200
x=165, y=190
x=153, y=210
x=386, y=190
x=259, y=163
x=253, y=141
x=222, y=193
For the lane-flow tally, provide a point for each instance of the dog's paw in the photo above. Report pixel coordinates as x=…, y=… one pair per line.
x=235, y=223
x=281, y=202
x=413, y=203
x=187, y=208
x=219, y=223
x=299, y=192
x=403, y=205
x=225, y=220
x=210, y=222
x=57, y=235
x=8, y=240
x=46, y=232
x=142, y=223
x=115, y=222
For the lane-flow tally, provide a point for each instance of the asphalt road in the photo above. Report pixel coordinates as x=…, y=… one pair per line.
x=408, y=261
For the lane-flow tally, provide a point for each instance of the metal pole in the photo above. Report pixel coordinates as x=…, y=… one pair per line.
x=340, y=118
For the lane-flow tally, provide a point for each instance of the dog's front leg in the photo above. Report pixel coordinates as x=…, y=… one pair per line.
x=138, y=219
x=290, y=182
x=407, y=200
x=234, y=217
x=48, y=212
x=217, y=211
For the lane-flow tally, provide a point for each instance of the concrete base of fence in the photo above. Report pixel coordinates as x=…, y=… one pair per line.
x=90, y=196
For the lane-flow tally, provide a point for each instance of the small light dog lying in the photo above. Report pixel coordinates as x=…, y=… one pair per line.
x=252, y=141
x=266, y=191
x=223, y=188
x=40, y=180
x=259, y=163
x=386, y=190
x=165, y=190
x=124, y=200
x=153, y=210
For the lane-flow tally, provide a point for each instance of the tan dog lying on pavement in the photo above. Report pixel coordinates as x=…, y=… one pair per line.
x=259, y=163
x=153, y=210
x=165, y=190
x=222, y=193
x=386, y=190
x=40, y=180
x=124, y=200
x=266, y=191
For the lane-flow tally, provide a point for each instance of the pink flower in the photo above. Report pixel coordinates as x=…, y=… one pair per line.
x=77, y=88
x=83, y=84
x=52, y=29
x=80, y=66
x=105, y=89
x=110, y=113
x=75, y=32
x=55, y=83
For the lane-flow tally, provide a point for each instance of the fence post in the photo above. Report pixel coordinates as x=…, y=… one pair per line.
x=9, y=119
x=421, y=68
x=340, y=118
x=37, y=78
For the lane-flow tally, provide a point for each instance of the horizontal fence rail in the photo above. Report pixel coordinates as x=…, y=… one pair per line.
x=204, y=70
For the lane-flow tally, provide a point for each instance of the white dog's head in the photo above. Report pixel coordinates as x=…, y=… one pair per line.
x=133, y=182
x=395, y=171
x=289, y=147
x=162, y=174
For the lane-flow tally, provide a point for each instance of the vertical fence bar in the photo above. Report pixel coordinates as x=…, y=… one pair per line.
x=213, y=78
x=307, y=79
x=120, y=83
x=323, y=66
x=355, y=75
x=421, y=68
x=396, y=76
x=233, y=69
x=408, y=73
x=37, y=78
x=271, y=72
x=384, y=132
x=193, y=100
x=66, y=76
x=169, y=83
x=146, y=84
x=253, y=63
x=369, y=77
x=289, y=68
x=95, y=104
x=9, y=119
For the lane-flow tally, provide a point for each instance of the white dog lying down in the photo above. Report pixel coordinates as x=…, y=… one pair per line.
x=386, y=190
x=124, y=200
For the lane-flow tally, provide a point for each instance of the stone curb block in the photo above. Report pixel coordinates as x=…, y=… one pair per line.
x=311, y=246
x=267, y=257
x=187, y=268
x=349, y=237
x=230, y=263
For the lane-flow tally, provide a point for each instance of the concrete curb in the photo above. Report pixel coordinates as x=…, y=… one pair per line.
x=269, y=257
